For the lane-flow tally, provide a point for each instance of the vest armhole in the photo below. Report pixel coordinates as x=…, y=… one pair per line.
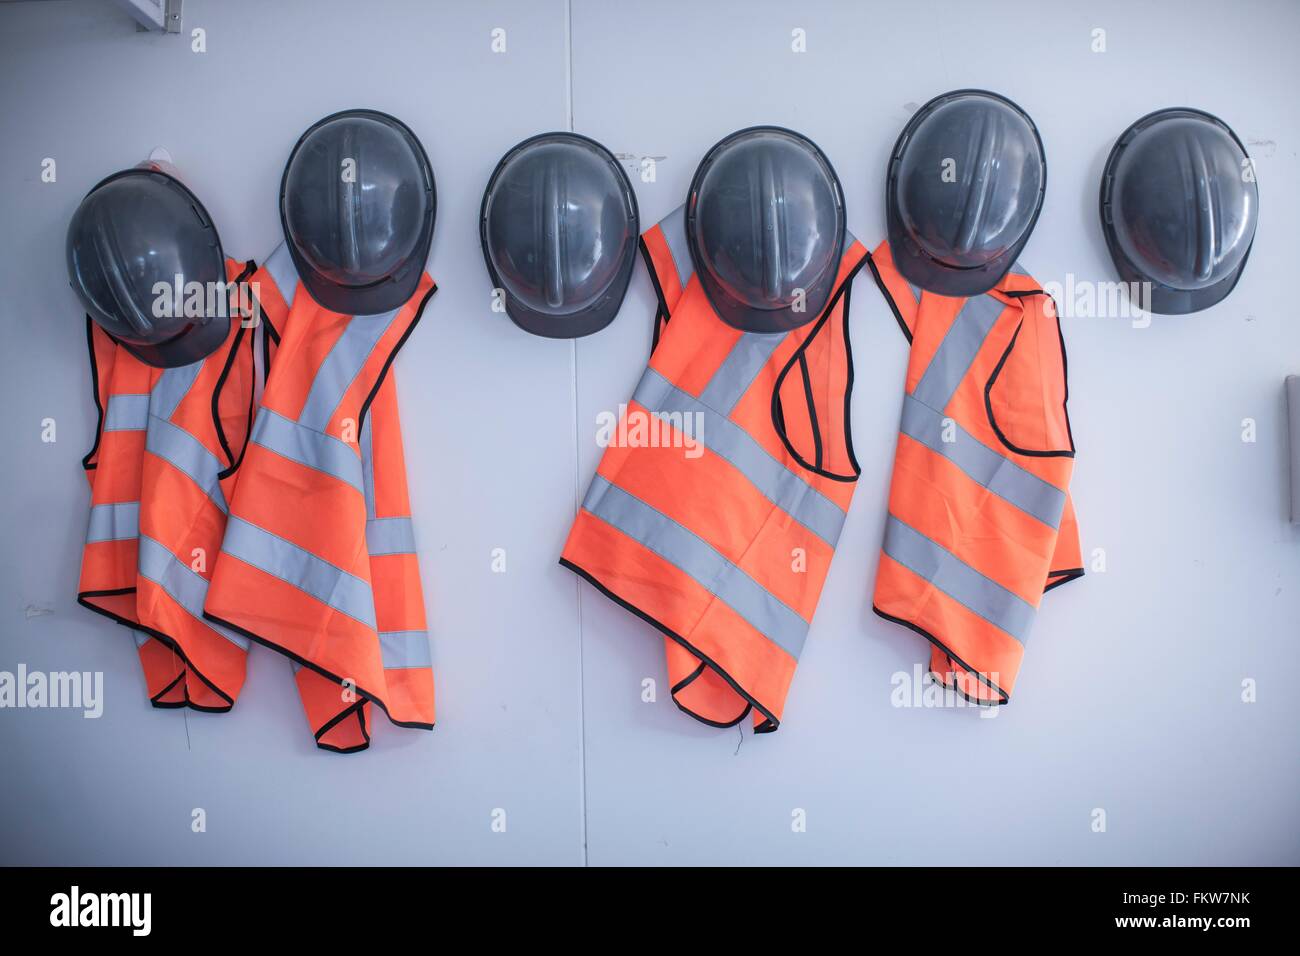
x=843, y=296
x=90, y=461
x=1061, y=370
x=233, y=459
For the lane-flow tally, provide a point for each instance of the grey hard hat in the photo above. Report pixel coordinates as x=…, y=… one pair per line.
x=357, y=203
x=765, y=224
x=965, y=185
x=135, y=230
x=559, y=227
x=1179, y=205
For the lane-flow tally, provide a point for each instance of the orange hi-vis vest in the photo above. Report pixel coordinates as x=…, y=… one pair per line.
x=980, y=521
x=715, y=512
x=162, y=469
x=318, y=560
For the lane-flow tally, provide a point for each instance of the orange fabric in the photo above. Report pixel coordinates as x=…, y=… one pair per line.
x=721, y=666
x=185, y=660
x=1010, y=398
x=318, y=519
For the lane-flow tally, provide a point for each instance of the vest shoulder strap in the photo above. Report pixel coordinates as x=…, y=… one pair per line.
x=668, y=260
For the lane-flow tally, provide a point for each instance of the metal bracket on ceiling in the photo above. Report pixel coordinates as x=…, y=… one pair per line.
x=157, y=16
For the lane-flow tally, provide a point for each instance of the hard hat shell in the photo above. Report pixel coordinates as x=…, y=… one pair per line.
x=357, y=204
x=765, y=223
x=559, y=225
x=965, y=185
x=1179, y=206
x=136, y=231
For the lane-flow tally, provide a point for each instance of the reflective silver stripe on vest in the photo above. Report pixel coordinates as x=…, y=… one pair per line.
x=282, y=559
x=341, y=366
x=698, y=560
x=279, y=265
x=390, y=536
x=126, y=413
x=186, y=453
x=182, y=584
x=957, y=579
x=739, y=369
x=172, y=387
x=997, y=473
x=114, y=522
x=957, y=351
x=405, y=649
x=674, y=230
x=308, y=447
x=784, y=488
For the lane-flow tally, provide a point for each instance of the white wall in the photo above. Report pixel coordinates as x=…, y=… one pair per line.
x=1130, y=698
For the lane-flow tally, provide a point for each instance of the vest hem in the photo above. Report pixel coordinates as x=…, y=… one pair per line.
x=167, y=640
x=1065, y=576
x=686, y=682
x=359, y=710
x=768, y=726
x=257, y=638
x=1005, y=698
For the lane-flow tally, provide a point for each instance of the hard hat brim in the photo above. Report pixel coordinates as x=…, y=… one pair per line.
x=577, y=324
x=192, y=346
x=392, y=293
x=923, y=271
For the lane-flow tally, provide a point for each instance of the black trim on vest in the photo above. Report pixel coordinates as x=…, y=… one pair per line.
x=86, y=463
x=848, y=385
x=778, y=413
x=812, y=408
x=1005, y=697
x=768, y=726
x=662, y=314
x=893, y=306
x=388, y=362
x=359, y=709
x=1065, y=372
x=258, y=639
x=157, y=699
x=269, y=333
x=170, y=642
x=686, y=682
x=988, y=406
x=233, y=460
x=1065, y=576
